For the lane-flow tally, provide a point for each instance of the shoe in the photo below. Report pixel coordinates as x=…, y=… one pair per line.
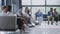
x=26, y=31
x=51, y=23
x=48, y=23
x=56, y=24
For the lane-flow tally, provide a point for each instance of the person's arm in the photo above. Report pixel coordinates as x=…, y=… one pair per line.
x=36, y=16
x=24, y=21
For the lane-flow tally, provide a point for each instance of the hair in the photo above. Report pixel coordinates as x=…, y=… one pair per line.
x=9, y=8
x=3, y=7
x=26, y=9
x=51, y=8
x=55, y=9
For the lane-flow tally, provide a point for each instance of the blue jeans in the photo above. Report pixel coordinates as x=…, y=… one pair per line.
x=28, y=20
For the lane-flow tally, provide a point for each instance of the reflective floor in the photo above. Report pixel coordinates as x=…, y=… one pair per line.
x=44, y=28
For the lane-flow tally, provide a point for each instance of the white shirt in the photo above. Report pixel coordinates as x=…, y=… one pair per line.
x=7, y=14
x=26, y=15
x=10, y=14
x=3, y=14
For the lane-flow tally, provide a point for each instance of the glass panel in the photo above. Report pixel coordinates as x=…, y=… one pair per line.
x=35, y=9
x=15, y=8
x=57, y=8
x=53, y=2
x=15, y=1
x=8, y=2
x=38, y=2
x=2, y=2
x=0, y=5
x=26, y=2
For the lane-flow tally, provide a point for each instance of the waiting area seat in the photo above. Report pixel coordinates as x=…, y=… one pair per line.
x=8, y=23
x=46, y=19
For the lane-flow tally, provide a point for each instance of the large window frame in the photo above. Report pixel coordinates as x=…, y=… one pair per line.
x=41, y=5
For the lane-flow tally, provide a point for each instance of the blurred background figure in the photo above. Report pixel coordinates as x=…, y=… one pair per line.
x=27, y=15
x=19, y=12
x=10, y=13
x=21, y=21
x=39, y=16
x=50, y=16
x=56, y=17
x=28, y=18
x=4, y=11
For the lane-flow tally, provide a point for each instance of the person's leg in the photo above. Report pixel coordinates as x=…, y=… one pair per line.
x=56, y=23
x=56, y=20
x=39, y=19
x=52, y=21
x=48, y=20
x=21, y=31
x=28, y=20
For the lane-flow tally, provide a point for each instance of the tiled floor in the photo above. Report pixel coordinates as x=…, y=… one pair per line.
x=41, y=29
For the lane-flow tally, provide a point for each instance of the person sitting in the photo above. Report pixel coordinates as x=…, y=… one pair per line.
x=4, y=11
x=10, y=13
x=39, y=16
x=56, y=16
x=50, y=16
x=27, y=15
x=21, y=21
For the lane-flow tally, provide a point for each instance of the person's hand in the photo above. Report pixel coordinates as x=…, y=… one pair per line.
x=30, y=17
x=25, y=25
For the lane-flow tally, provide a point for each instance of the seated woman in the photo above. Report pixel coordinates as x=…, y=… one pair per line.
x=27, y=15
x=21, y=22
x=39, y=16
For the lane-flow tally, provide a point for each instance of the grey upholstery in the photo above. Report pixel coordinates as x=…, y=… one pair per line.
x=8, y=22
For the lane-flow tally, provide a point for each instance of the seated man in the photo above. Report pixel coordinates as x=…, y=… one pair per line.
x=50, y=16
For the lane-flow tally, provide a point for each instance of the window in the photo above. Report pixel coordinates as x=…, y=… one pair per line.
x=26, y=2
x=53, y=2
x=15, y=5
x=38, y=2
x=57, y=8
x=8, y=2
x=0, y=5
x=15, y=8
x=33, y=2
x=35, y=9
x=43, y=5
